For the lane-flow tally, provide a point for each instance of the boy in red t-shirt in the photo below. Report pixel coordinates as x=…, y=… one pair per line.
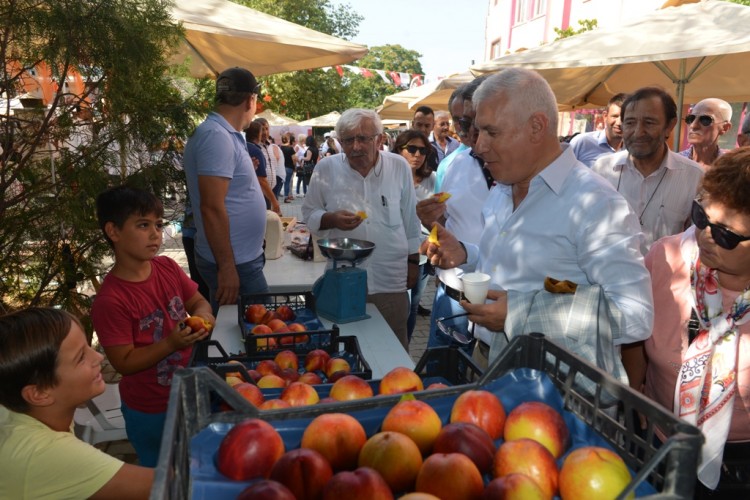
x=138, y=313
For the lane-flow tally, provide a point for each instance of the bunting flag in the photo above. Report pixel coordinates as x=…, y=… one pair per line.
x=397, y=78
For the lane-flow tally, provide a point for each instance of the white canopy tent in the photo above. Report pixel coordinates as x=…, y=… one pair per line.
x=699, y=50
x=220, y=34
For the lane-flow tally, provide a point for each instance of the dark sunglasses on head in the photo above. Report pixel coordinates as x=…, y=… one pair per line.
x=413, y=149
x=704, y=120
x=722, y=236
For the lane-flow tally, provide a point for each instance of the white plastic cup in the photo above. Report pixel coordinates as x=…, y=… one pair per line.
x=476, y=286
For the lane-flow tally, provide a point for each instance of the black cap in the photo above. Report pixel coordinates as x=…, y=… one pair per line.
x=237, y=80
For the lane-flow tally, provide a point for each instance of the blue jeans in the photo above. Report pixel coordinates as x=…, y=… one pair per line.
x=288, y=181
x=301, y=180
x=144, y=432
x=415, y=293
x=251, y=276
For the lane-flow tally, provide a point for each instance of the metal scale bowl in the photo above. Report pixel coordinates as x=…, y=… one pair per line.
x=341, y=293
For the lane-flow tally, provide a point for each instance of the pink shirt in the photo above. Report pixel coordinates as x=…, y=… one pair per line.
x=670, y=278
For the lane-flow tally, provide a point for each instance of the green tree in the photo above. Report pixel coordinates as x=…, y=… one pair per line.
x=584, y=25
x=741, y=2
x=57, y=158
x=370, y=92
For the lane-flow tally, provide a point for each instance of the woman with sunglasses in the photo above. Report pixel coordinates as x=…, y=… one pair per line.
x=697, y=360
x=415, y=147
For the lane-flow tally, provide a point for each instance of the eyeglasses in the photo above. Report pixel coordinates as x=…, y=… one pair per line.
x=412, y=149
x=364, y=139
x=449, y=328
x=705, y=120
x=465, y=124
x=722, y=236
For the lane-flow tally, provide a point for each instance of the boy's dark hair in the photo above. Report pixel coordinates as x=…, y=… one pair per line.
x=425, y=110
x=116, y=204
x=29, y=346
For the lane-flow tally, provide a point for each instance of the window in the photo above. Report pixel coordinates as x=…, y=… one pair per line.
x=496, y=49
x=540, y=8
x=521, y=11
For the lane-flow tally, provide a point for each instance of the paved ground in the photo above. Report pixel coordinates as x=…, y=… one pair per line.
x=173, y=248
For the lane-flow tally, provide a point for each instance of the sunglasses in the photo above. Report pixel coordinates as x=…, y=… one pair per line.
x=412, y=149
x=704, y=120
x=722, y=236
x=456, y=329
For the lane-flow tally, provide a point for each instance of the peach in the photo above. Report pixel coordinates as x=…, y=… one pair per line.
x=251, y=393
x=287, y=359
x=254, y=313
x=472, y=441
x=265, y=489
x=269, y=316
x=276, y=325
x=481, y=408
x=268, y=367
x=249, y=450
x=196, y=323
x=271, y=381
x=450, y=476
x=311, y=378
x=395, y=456
x=299, y=394
x=362, y=483
x=285, y=313
x=316, y=360
x=350, y=387
x=274, y=404
x=540, y=422
x=526, y=456
x=400, y=380
x=415, y=419
x=305, y=472
x=337, y=365
x=593, y=472
x=336, y=436
x=515, y=486
x=437, y=385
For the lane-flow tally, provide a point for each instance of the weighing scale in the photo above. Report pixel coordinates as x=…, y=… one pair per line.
x=341, y=293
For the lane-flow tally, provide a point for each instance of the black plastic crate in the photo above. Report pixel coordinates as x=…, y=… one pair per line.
x=670, y=469
x=303, y=305
x=346, y=347
x=449, y=365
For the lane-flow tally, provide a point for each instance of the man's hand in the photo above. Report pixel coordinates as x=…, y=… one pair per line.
x=447, y=253
x=228, y=285
x=492, y=315
x=340, y=219
x=276, y=208
x=182, y=336
x=430, y=211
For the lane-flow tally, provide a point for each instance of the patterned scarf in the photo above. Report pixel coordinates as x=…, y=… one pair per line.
x=707, y=382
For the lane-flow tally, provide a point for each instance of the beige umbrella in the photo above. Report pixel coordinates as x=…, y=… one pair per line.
x=700, y=50
x=220, y=34
x=434, y=94
x=275, y=120
x=328, y=120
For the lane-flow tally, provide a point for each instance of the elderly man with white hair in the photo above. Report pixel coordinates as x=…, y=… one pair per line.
x=548, y=216
x=707, y=121
x=368, y=194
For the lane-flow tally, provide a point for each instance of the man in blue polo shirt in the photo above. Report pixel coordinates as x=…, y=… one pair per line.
x=591, y=145
x=227, y=200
